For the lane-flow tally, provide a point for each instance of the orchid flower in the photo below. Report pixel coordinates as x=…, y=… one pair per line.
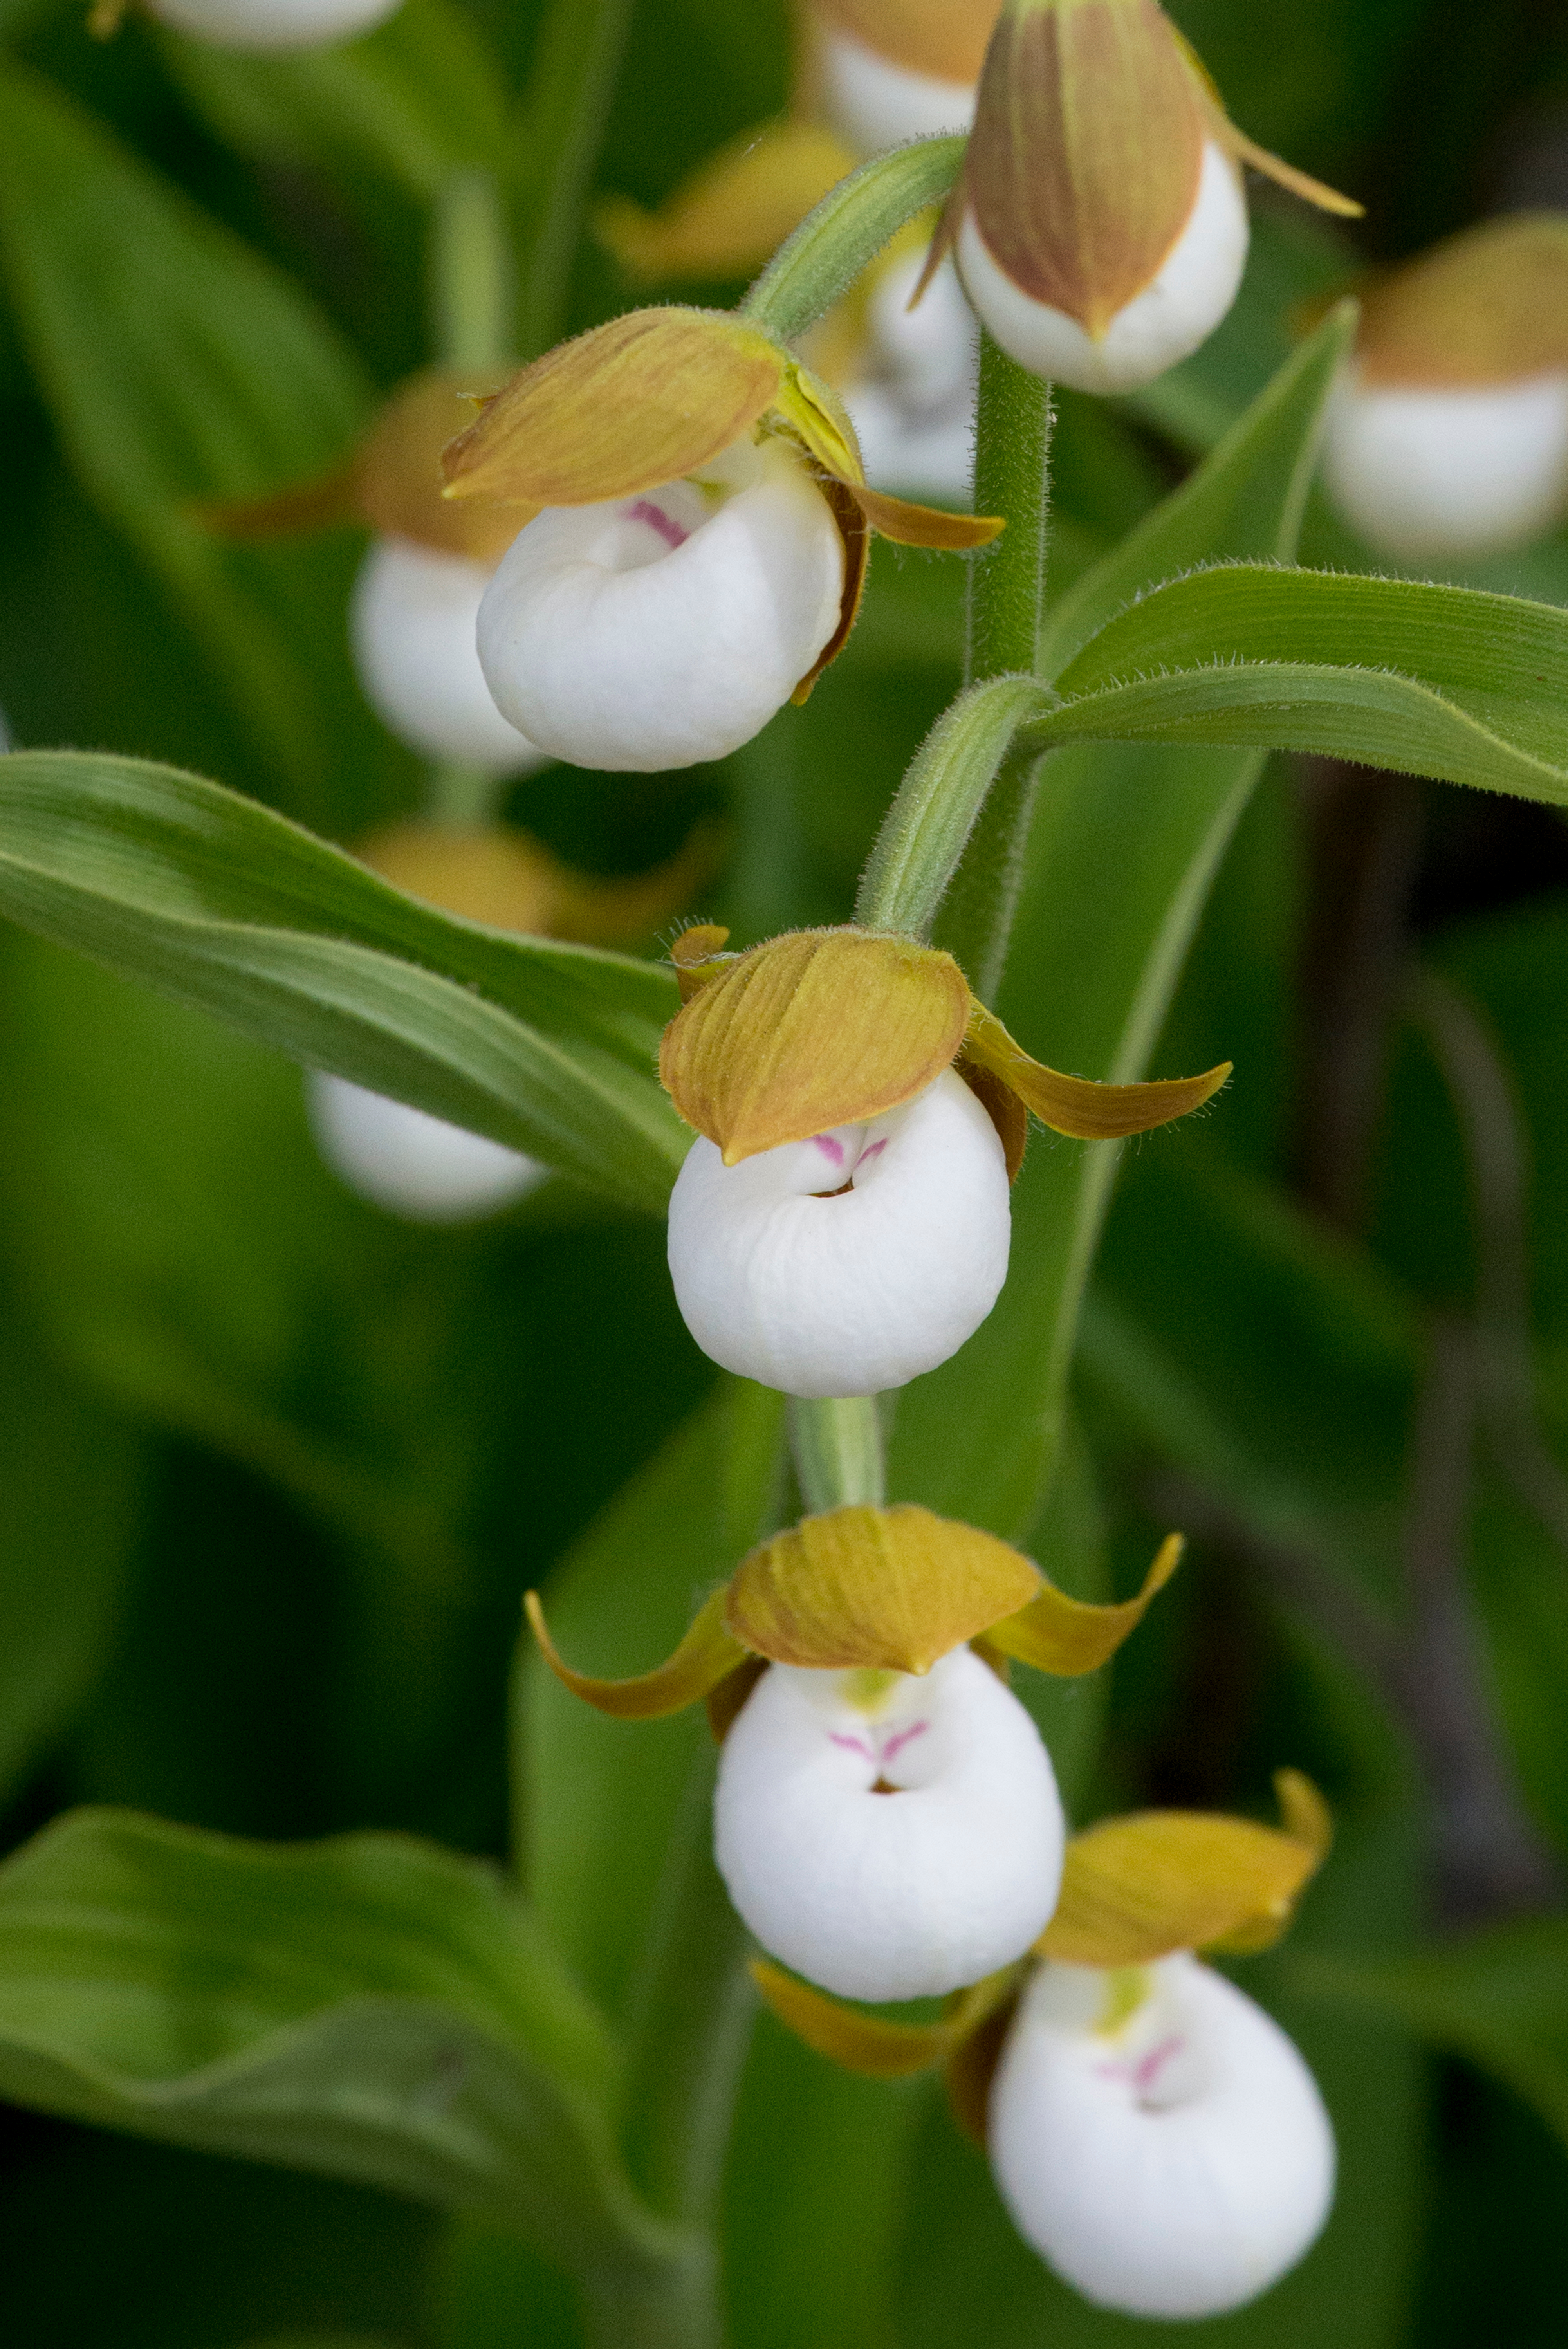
x=842, y=1224
x=1154, y=2135
x=1099, y=222
x=1448, y=435
x=886, y=1818
x=693, y=526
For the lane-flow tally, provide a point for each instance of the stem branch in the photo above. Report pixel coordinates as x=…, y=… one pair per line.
x=837, y=1451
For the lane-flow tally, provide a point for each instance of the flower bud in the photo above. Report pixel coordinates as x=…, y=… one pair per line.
x=1447, y=433
x=1158, y=2138
x=888, y=1836
x=665, y=629
x=410, y=1163
x=413, y=625
x=271, y=25
x=883, y=71
x=1100, y=222
x=910, y=385
x=851, y=1262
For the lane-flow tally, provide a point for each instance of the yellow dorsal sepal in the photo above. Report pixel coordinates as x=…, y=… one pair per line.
x=1068, y=1636
x=1140, y=1887
x=883, y=1589
x=814, y=1030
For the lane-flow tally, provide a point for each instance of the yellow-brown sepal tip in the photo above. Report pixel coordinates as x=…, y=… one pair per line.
x=877, y=1589
x=869, y=2044
x=503, y=878
x=1140, y=1887
x=1068, y=1636
x=705, y=1656
x=1078, y=1106
x=814, y=1030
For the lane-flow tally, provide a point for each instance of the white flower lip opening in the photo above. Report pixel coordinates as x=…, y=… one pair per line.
x=1181, y=306
x=874, y=103
x=412, y=627
x=1456, y=470
x=408, y=1162
x=888, y=1836
x=1170, y=2159
x=784, y=1276
x=665, y=629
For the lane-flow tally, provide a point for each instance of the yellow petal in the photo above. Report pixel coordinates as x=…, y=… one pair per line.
x=503, y=878
x=734, y=211
x=907, y=524
x=705, y=1657
x=398, y=470
x=1285, y=175
x=1076, y=1105
x=626, y=406
x=319, y=505
x=1304, y=1814
x=699, y=957
x=1068, y=1636
x=1084, y=165
x=1137, y=1888
x=860, y=2043
x=877, y=1589
x=944, y=38
x=1487, y=306
x=814, y=1030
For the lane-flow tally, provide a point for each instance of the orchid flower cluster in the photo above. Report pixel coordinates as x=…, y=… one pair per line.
x=888, y=1824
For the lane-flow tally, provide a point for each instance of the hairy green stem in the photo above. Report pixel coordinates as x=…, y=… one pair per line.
x=575, y=72
x=472, y=273
x=1006, y=599
x=838, y=1455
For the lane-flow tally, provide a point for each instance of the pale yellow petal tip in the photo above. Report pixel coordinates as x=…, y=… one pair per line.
x=1068, y=1637
x=859, y=2043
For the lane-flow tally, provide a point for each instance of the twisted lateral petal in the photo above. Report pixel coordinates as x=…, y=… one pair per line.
x=271, y=25
x=412, y=624
x=815, y=1028
x=410, y=1163
x=665, y=629
x=1173, y=2161
x=1138, y=1887
x=706, y=1656
x=784, y=1276
x=1448, y=471
x=1077, y=1105
x=903, y=1893
x=1069, y=1636
x=1176, y=308
x=874, y=103
x=886, y=1589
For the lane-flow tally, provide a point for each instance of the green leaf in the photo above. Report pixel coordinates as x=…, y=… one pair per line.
x=218, y=903
x=925, y=831
x=1248, y=498
x=413, y=101
x=178, y=365
x=371, y=2007
x=1444, y=681
x=847, y=229
x=596, y=1799
x=70, y=1488
x=1498, y=1998
x=1122, y=849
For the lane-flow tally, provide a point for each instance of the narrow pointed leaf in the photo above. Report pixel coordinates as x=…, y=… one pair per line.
x=1067, y=1636
x=707, y=1655
x=204, y=894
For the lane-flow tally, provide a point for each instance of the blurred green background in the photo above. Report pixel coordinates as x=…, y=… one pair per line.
x=274, y=1468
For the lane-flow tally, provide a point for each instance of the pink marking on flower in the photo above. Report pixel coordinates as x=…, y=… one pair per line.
x=1143, y=2075
x=852, y=1745
x=902, y=1738
x=831, y=1150
x=867, y=1155
x=666, y=525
